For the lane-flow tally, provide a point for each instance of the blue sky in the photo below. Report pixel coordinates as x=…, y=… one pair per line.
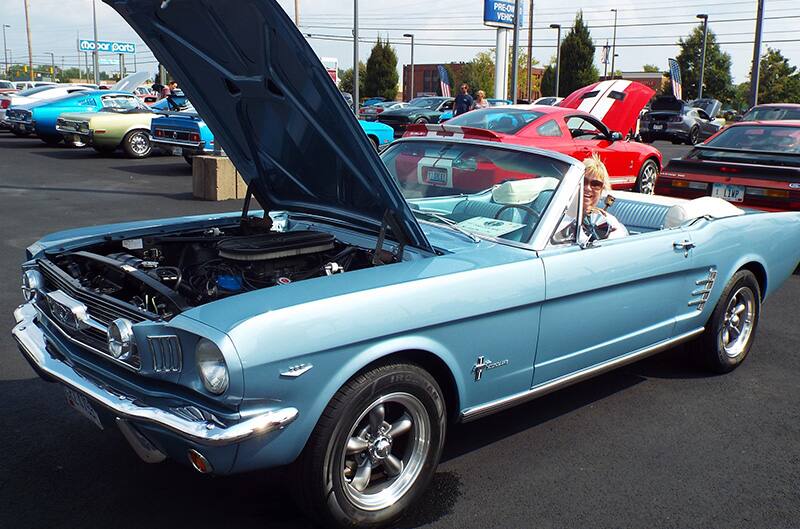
x=446, y=30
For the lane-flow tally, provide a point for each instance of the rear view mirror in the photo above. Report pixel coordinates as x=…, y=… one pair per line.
x=616, y=136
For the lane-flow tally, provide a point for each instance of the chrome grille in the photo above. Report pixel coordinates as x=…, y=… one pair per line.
x=166, y=351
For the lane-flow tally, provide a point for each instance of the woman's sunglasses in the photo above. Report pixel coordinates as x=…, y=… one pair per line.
x=594, y=184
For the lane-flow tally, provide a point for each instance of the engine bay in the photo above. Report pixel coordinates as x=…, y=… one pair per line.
x=163, y=275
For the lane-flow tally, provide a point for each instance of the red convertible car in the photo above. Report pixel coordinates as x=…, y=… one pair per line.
x=753, y=164
x=589, y=121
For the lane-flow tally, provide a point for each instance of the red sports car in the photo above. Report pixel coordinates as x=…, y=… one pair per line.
x=588, y=121
x=752, y=164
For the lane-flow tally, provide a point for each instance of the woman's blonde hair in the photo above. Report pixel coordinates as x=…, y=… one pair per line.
x=595, y=167
x=482, y=94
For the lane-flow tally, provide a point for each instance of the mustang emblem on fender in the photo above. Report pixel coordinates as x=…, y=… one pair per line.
x=484, y=364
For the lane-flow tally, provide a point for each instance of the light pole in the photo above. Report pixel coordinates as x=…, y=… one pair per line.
x=95, y=54
x=529, y=89
x=28, y=31
x=355, y=56
x=614, y=44
x=756, y=68
x=52, y=65
x=704, y=18
x=515, y=56
x=558, y=54
x=5, y=52
x=411, y=84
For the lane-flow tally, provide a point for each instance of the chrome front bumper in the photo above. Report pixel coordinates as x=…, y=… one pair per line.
x=31, y=340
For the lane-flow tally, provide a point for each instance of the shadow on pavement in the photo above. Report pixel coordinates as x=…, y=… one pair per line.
x=108, y=191
x=176, y=168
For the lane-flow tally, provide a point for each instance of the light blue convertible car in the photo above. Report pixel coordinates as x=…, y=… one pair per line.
x=372, y=304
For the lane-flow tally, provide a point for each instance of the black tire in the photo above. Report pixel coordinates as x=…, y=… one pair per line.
x=51, y=140
x=741, y=290
x=694, y=136
x=19, y=134
x=136, y=144
x=189, y=160
x=648, y=174
x=676, y=142
x=103, y=149
x=321, y=484
x=421, y=121
x=374, y=141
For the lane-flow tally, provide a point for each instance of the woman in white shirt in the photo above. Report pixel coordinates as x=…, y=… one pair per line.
x=480, y=100
x=597, y=222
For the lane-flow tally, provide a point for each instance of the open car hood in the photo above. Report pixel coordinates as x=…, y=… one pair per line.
x=129, y=83
x=710, y=106
x=617, y=103
x=272, y=105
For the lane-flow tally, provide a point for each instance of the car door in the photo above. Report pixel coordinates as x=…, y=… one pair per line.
x=596, y=139
x=707, y=126
x=611, y=298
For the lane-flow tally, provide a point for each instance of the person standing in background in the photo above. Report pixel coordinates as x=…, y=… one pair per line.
x=480, y=100
x=464, y=101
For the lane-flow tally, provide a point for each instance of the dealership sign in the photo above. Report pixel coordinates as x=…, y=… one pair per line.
x=104, y=46
x=500, y=13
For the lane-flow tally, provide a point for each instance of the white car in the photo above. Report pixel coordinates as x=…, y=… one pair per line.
x=26, y=85
x=548, y=100
x=33, y=95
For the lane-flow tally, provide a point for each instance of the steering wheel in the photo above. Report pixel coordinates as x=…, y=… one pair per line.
x=528, y=230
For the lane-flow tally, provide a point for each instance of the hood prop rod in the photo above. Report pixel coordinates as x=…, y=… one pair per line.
x=381, y=256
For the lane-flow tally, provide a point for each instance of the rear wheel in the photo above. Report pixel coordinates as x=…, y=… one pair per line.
x=20, y=134
x=694, y=136
x=51, y=140
x=648, y=174
x=136, y=144
x=731, y=328
x=374, y=449
x=421, y=120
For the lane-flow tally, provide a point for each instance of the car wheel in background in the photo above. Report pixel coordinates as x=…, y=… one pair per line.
x=421, y=120
x=136, y=144
x=694, y=136
x=374, y=141
x=51, y=140
x=20, y=134
x=189, y=160
x=374, y=449
x=730, y=329
x=648, y=174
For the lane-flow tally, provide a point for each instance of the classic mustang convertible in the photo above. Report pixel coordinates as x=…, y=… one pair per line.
x=343, y=329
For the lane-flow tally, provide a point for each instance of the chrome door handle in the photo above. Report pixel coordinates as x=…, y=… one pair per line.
x=684, y=245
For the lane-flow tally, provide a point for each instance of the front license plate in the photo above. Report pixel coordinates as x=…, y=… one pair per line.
x=728, y=192
x=435, y=176
x=177, y=151
x=82, y=405
x=658, y=126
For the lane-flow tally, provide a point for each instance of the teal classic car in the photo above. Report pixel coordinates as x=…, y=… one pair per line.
x=342, y=330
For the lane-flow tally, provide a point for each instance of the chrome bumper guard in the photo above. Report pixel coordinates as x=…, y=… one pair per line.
x=32, y=341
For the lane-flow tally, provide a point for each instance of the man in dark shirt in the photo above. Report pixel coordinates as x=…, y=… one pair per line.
x=464, y=101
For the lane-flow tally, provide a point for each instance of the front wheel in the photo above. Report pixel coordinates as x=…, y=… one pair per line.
x=375, y=448
x=648, y=174
x=730, y=329
x=421, y=121
x=137, y=144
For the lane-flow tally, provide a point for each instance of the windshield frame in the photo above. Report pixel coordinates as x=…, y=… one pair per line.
x=551, y=215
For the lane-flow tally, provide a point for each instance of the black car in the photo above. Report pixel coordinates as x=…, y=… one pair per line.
x=419, y=110
x=680, y=122
x=773, y=112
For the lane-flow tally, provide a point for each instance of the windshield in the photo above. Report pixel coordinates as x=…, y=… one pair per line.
x=505, y=120
x=38, y=89
x=425, y=102
x=772, y=114
x=483, y=190
x=121, y=103
x=754, y=144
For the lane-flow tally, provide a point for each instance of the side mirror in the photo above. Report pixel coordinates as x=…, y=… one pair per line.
x=616, y=136
x=737, y=118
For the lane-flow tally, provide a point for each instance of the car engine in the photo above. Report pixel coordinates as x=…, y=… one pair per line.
x=164, y=275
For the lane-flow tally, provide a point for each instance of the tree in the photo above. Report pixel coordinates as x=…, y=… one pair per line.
x=778, y=81
x=577, y=58
x=479, y=74
x=549, y=81
x=717, y=80
x=346, y=79
x=651, y=68
x=381, y=79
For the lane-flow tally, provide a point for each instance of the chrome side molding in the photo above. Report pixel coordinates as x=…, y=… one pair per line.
x=477, y=412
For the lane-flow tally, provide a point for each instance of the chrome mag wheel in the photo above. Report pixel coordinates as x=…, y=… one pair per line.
x=647, y=178
x=140, y=144
x=385, y=451
x=737, y=325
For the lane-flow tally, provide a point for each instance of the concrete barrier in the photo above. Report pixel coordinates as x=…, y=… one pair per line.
x=215, y=178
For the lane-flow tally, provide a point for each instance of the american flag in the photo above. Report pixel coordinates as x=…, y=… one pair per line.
x=675, y=75
x=444, y=81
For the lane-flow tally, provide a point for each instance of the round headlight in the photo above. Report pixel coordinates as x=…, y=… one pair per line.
x=32, y=283
x=120, y=338
x=211, y=366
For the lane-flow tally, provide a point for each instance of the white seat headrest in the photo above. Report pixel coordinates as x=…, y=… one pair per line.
x=700, y=207
x=522, y=191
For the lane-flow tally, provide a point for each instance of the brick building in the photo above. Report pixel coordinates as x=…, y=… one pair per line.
x=426, y=79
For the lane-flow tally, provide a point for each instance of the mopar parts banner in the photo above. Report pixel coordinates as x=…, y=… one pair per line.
x=104, y=46
x=500, y=13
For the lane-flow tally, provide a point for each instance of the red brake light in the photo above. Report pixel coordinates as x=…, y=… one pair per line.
x=379, y=110
x=194, y=137
x=5, y=103
x=730, y=170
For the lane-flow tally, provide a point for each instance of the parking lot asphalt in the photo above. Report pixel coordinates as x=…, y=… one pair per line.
x=659, y=443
